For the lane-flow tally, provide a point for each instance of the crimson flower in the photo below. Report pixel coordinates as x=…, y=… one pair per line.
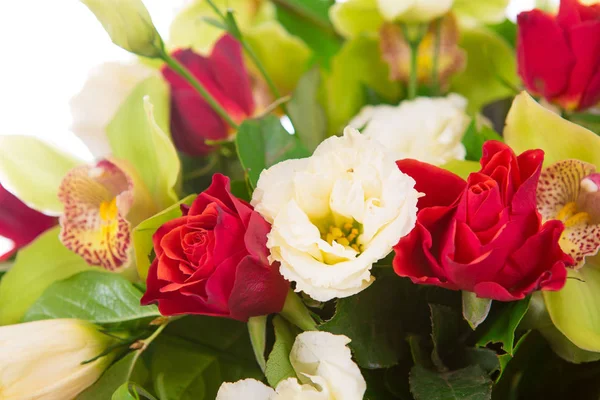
x=225, y=77
x=213, y=260
x=559, y=56
x=483, y=235
x=19, y=223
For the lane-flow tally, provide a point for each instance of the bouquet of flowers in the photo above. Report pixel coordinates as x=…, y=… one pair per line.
x=304, y=199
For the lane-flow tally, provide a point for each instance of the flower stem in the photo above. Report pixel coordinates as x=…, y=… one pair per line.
x=435, y=77
x=184, y=73
x=413, y=34
x=296, y=313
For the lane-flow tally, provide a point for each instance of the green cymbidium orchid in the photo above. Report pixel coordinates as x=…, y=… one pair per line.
x=567, y=191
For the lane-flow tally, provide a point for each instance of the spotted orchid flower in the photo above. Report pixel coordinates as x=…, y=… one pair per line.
x=568, y=191
x=96, y=201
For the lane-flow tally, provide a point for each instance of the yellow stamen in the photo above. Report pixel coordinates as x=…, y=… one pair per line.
x=343, y=241
x=336, y=232
x=109, y=210
x=579, y=218
x=567, y=211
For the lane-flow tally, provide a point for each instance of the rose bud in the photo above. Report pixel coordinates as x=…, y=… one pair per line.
x=484, y=235
x=558, y=55
x=45, y=359
x=129, y=25
x=213, y=260
x=224, y=76
x=19, y=223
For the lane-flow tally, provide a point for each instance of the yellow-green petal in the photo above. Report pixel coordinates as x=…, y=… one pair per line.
x=37, y=266
x=575, y=310
x=491, y=68
x=285, y=57
x=33, y=170
x=355, y=17
x=529, y=125
x=479, y=12
x=137, y=135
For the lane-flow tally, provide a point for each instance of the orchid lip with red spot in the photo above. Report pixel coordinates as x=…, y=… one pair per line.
x=568, y=191
x=97, y=199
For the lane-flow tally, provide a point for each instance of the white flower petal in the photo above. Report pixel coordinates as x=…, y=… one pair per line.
x=248, y=389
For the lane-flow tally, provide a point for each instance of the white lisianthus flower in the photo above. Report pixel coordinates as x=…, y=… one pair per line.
x=335, y=213
x=413, y=10
x=96, y=104
x=42, y=360
x=129, y=25
x=323, y=363
x=426, y=129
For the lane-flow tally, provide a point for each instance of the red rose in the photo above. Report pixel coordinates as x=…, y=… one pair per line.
x=213, y=260
x=224, y=76
x=559, y=56
x=484, y=235
x=19, y=223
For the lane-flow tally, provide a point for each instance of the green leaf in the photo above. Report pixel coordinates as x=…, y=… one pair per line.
x=123, y=393
x=474, y=309
x=37, y=266
x=120, y=373
x=527, y=127
x=137, y=134
x=356, y=66
x=507, y=29
x=184, y=370
x=33, y=170
x=491, y=72
x=306, y=113
x=309, y=20
x=573, y=309
x=95, y=296
x=445, y=332
x=468, y=383
x=279, y=366
x=462, y=168
x=263, y=142
x=500, y=327
x=474, y=139
x=142, y=234
x=376, y=324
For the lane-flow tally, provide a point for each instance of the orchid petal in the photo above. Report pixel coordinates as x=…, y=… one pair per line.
x=574, y=309
x=531, y=126
x=355, y=17
x=97, y=199
x=32, y=170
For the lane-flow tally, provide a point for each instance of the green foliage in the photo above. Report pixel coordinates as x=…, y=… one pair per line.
x=142, y=234
x=306, y=113
x=378, y=319
x=128, y=369
x=99, y=297
x=474, y=139
x=36, y=267
x=36, y=180
x=501, y=325
x=137, y=134
x=279, y=366
x=468, y=383
x=262, y=143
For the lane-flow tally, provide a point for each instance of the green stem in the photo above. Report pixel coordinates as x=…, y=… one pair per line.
x=296, y=313
x=184, y=73
x=413, y=34
x=435, y=78
x=257, y=328
x=146, y=342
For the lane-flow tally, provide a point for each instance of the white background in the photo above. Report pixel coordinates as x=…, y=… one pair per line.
x=48, y=48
